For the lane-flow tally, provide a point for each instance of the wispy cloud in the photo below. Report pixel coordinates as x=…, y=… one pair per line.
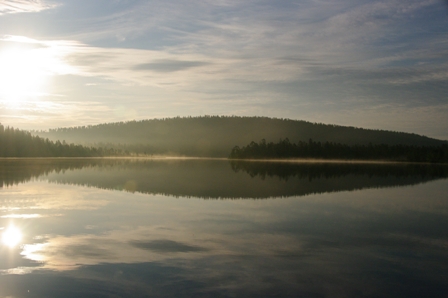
x=169, y=65
x=256, y=35
x=18, y=6
x=247, y=57
x=249, y=41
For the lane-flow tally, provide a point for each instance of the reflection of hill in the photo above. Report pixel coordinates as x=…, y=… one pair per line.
x=311, y=171
x=218, y=179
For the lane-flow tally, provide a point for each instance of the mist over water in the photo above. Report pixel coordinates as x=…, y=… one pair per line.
x=214, y=228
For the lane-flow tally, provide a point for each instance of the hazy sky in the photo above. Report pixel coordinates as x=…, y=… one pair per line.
x=368, y=63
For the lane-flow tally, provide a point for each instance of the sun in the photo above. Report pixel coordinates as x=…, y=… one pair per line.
x=27, y=66
x=23, y=74
x=11, y=236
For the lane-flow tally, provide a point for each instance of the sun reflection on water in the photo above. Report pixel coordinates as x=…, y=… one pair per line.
x=11, y=236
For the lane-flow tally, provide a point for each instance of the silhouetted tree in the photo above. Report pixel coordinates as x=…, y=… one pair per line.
x=311, y=149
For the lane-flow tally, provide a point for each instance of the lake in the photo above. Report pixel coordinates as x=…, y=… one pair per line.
x=215, y=228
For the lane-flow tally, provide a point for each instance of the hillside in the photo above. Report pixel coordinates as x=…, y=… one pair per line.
x=19, y=143
x=216, y=136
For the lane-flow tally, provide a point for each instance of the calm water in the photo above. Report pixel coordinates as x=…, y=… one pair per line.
x=190, y=228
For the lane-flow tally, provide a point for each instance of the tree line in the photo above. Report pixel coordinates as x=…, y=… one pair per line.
x=19, y=143
x=329, y=150
x=215, y=136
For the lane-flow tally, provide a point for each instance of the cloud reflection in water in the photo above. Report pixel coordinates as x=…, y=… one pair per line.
x=371, y=242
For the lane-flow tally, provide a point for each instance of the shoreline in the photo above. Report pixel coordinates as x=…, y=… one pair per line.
x=289, y=160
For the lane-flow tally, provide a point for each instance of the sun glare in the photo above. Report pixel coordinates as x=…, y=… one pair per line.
x=22, y=74
x=11, y=236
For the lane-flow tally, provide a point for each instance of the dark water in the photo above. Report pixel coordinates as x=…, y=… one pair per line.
x=195, y=228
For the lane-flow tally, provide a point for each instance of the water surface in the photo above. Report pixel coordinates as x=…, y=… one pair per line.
x=192, y=228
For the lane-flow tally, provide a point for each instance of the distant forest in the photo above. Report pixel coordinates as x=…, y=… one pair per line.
x=328, y=150
x=215, y=136
x=19, y=143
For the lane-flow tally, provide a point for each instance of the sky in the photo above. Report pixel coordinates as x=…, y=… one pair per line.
x=365, y=63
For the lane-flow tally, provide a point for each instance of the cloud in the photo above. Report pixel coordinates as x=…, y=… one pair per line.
x=253, y=57
x=20, y=6
x=169, y=65
x=248, y=40
x=230, y=43
x=166, y=246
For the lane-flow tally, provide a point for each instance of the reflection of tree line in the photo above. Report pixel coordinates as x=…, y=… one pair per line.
x=311, y=171
x=216, y=179
x=329, y=150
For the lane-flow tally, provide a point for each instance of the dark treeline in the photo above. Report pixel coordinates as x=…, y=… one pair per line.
x=19, y=143
x=215, y=136
x=328, y=150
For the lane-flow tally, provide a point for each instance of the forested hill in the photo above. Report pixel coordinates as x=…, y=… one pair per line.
x=19, y=143
x=216, y=136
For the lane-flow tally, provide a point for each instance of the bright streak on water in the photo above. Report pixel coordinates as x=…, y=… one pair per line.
x=11, y=236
